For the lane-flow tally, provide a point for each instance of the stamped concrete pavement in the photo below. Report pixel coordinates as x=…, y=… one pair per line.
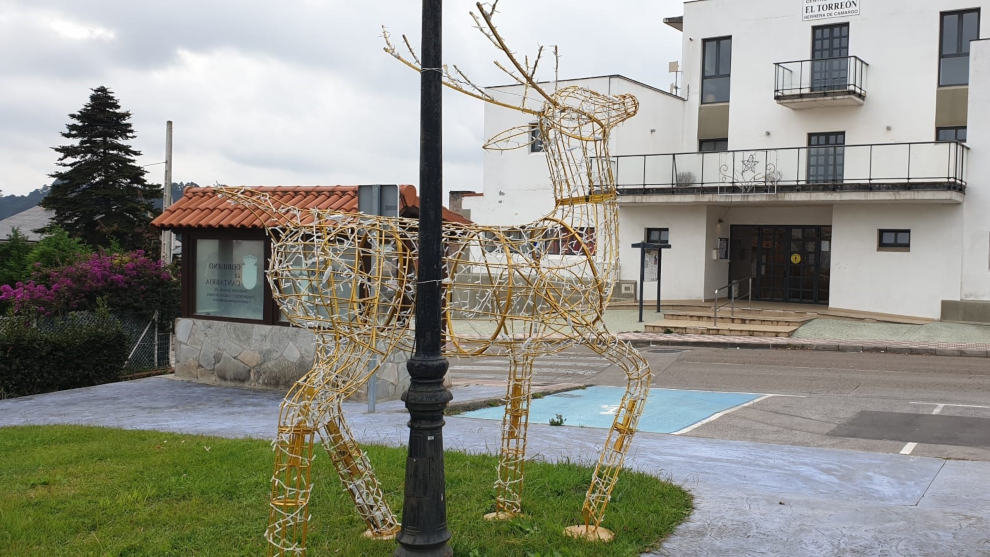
x=750, y=498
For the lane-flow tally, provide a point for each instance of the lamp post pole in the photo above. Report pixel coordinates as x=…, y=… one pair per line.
x=424, y=510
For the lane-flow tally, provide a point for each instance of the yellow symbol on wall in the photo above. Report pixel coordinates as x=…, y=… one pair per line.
x=795, y=258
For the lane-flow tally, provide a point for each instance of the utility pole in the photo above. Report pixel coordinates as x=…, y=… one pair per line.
x=424, y=510
x=167, y=193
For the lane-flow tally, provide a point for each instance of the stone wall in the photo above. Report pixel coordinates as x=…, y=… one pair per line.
x=255, y=355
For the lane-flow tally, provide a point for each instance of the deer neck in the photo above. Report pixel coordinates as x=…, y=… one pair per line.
x=580, y=171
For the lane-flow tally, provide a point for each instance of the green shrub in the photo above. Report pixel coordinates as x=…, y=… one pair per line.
x=52, y=354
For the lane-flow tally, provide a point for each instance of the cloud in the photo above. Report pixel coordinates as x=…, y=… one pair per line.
x=295, y=92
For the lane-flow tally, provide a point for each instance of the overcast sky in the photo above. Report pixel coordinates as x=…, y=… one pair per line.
x=289, y=92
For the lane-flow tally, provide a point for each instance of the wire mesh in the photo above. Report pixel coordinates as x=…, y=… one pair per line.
x=523, y=292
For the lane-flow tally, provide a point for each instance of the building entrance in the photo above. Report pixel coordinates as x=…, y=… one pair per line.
x=787, y=263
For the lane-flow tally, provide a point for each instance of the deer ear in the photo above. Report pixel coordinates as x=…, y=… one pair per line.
x=514, y=138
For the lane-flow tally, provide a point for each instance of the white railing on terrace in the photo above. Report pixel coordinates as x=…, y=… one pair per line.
x=883, y=166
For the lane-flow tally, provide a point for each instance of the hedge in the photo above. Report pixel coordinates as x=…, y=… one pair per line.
x=51, y=354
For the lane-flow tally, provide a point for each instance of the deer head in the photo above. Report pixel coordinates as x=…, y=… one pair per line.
x=576, y=112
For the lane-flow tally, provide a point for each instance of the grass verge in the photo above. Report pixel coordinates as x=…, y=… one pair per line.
x=68, y=490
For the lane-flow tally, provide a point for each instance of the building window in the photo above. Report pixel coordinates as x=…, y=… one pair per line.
x=535, y=138
x=957, y=30
x=898, y=239
x=658, y=235
x=716, y=66
x=713, y=145
x=951, y=133
x=826, y=157
x=230, y=278
x=830, y=57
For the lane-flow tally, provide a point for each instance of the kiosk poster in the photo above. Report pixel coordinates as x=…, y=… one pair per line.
x=229, y=280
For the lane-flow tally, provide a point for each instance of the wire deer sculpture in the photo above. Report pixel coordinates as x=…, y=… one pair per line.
x=521, y=292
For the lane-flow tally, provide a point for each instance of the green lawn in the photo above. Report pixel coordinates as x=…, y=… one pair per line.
x=67, y=490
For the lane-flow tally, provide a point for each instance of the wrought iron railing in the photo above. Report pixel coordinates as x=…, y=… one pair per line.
x=884, y=166
x=819, y=78
x=731, y=292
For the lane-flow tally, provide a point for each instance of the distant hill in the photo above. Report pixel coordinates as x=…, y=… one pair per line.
x=13, y=204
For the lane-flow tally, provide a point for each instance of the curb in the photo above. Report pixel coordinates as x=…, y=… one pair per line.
x=956, y=350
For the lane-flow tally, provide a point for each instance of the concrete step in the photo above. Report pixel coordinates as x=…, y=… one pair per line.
x=750, y=317
x=693, y=327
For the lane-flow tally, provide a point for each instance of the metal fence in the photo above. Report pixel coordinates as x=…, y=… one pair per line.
x=148, y=340
x=820, y=78
x=920, y=165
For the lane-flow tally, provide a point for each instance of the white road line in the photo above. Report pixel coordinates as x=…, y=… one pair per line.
x=714, y=417
x=906, y=449
x=941, y=404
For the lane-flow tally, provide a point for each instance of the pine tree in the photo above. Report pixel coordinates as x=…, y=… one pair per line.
x=100, y=196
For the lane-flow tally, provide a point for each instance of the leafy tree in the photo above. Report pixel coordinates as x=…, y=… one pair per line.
x=14, y=258
x=100, y=194
x=55, y=250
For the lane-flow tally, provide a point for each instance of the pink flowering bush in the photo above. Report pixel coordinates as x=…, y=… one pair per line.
x=129, y=283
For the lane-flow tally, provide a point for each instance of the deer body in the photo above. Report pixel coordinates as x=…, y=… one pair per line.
x=523, y=292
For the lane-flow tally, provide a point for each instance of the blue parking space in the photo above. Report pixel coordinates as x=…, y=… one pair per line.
x=667, y=410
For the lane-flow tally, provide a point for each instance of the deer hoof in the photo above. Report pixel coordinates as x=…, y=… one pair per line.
x=589, y=533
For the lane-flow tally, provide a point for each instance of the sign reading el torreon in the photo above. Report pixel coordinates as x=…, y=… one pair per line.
x=822, y=9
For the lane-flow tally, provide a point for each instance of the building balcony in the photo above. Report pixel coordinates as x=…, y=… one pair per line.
x=932, y=171
x=802, y=84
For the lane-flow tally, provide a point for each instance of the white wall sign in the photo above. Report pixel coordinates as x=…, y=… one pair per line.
x=823, y=9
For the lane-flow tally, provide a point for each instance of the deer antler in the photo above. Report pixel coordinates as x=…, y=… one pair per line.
x=458, y=82
x=492, y=34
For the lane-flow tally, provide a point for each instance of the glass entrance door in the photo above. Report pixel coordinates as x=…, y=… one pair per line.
x=787, y=263
x=830, y=57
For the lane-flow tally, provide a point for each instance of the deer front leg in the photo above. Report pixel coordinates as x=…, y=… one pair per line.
x=512, y=457
x=613, y=454
x=288, y=513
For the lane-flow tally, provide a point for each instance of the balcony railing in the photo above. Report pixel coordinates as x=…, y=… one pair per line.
x=937, y=165
x=826, y=77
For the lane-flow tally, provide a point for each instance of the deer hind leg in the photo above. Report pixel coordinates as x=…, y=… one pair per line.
x=515, y=422
x=610, y=461
x=358, y=477
x=313, y=404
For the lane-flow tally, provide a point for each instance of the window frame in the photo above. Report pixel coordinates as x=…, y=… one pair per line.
x=959, y=40
x=896, y=245
x=661, y=231
x=715, y=142
x=190, y=237
x=717, y=75
x=953, y=128
x=536, y=138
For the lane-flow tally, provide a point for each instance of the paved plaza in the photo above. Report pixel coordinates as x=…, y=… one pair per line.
x=786, y=497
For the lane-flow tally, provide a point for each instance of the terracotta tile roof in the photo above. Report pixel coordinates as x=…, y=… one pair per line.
x=202, y=208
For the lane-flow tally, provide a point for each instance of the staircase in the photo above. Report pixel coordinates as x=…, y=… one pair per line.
x=741, y=322
x=725, y=316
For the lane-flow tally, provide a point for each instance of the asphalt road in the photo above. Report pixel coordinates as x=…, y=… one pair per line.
x=891, y=403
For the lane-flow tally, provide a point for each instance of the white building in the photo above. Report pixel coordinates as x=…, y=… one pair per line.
x=809, y=139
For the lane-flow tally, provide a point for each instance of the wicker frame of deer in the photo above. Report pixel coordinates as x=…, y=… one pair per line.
x=520, y=292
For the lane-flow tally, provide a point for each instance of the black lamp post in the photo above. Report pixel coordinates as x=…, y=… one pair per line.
x=424, y=510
